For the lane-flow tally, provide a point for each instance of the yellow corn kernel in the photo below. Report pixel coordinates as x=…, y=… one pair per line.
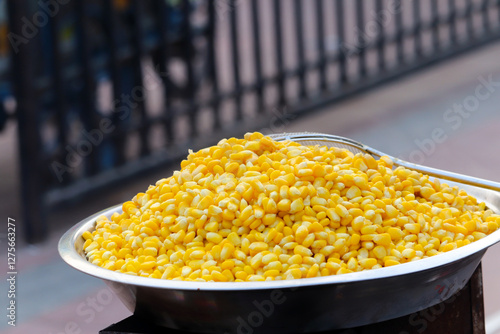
x=390, y=262
x=379, y=252
x=258, y=246
x=295, y=259
x=412, y=228
x=478, y=235
x=408, y=253
x=370, y=229
x=268, y=258
x=271, y=273
x=242, y=275
x=227, y=251
x=297, y=205
x=214, y=237
x=383, y=239
x=150, y=251
x=294, y=273
x=214, y=210
x=395, y=233
x=391, y=211
x=234, y=239
x=284, y=205
x=217, y=276
x=313, y=271
x=93, y=245
x=470, y=225
x=343, y=270
x=301, y=233
x=341, y=211
x=255, y=278
x=353, y=192
x=302, y=251
x=492, y=226
x=368, y=263
x=87, y=235
x=355, y=238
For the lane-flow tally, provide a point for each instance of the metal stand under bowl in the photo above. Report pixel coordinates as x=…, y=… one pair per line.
x=463, y=312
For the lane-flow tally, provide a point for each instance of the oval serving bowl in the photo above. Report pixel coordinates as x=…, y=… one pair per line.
x=289, y=306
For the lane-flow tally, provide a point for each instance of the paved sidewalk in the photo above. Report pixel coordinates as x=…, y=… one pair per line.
x=398, y=119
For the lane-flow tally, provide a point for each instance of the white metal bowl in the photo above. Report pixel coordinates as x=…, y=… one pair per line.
x=290, y=306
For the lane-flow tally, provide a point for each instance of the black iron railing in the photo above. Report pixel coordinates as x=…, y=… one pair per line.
x=109, y=89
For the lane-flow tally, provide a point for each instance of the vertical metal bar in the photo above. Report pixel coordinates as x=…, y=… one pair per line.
x=189, y=58
x=417, y=29
x=339, y=11
x=299, y=34
x=320, y=33
x=435, y=25
x=121, y=113
x=485, y=17
x=87, y=108
x=399, y=31
x=453, y=21
x=257, y=55
x=361, y=40
x=498, y=9
x=138, y=54
x=279, y=53
x=3, y=116
x=162, y=60
x=235, y=60
x=213, y=64
x=468, y=18
x=380, y=38
x=28, y=134
x=58, y=86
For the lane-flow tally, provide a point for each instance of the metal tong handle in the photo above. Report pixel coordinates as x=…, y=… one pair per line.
x=442, y=174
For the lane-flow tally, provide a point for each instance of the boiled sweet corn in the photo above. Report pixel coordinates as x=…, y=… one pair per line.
x=254, y=209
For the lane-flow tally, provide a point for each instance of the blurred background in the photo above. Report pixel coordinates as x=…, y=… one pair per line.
x=100, y=98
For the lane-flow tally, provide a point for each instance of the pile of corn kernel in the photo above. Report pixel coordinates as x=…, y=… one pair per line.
x=254, y=209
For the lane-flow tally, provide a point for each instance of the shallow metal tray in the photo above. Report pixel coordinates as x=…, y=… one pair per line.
x=291, y=306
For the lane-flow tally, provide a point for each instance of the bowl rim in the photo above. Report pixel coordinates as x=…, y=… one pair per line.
x=69, y=253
